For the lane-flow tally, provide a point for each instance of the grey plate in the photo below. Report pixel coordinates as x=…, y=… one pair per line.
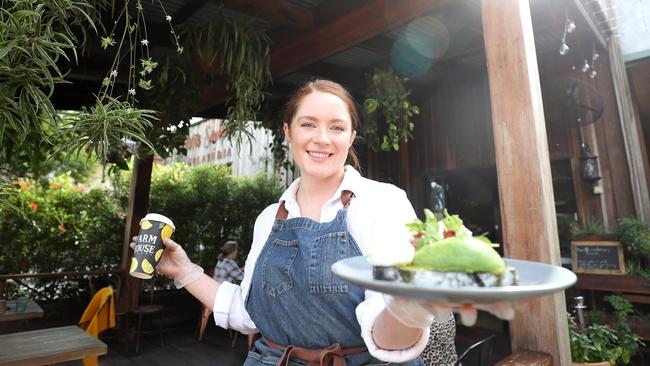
x=535, y=279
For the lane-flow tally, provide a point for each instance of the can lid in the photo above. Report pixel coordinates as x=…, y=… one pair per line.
x=159, y=218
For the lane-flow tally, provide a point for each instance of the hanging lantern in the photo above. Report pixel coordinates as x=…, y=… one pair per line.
x=590, y=166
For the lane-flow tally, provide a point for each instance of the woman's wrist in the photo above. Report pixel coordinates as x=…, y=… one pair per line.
x=390, y=334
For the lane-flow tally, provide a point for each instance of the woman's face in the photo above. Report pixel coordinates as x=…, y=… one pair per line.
x=320, y=135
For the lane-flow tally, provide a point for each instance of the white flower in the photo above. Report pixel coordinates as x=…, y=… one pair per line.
x=144, y=42
x=129, y=110
x=132, y=91
x=168, y=18
x=114, y=73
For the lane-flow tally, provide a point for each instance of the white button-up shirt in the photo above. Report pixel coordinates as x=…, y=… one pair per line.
x=376, y=219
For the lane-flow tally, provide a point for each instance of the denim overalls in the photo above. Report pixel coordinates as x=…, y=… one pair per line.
x=296, y=300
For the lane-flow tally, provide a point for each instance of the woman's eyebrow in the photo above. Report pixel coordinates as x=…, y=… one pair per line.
x=311, y=118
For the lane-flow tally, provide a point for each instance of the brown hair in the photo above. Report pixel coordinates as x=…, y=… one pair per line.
x=325, y=86
x=227, y=248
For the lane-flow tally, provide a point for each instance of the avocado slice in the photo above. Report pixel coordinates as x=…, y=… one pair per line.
x=459, y=254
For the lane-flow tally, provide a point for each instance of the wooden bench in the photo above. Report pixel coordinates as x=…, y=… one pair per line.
x=48, y=346
x=527, y=358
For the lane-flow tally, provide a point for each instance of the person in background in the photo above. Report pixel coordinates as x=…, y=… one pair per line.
x=226, y=269
x=289, y=295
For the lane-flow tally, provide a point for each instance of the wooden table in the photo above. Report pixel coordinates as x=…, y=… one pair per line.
x=33, y=310
x=47, y=346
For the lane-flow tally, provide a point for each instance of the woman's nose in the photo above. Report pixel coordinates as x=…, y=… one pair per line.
x=321, y=136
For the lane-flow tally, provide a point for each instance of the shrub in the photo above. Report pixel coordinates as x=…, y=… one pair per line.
x=634, y=235
x=208, y=206
x=59, y=227
x=615, y=343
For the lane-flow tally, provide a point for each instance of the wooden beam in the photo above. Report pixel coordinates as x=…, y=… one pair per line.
x=590, y=23
x=629, y=125
x=363, y=23
x=524, y=170
x=277, y=11
x=138, y=206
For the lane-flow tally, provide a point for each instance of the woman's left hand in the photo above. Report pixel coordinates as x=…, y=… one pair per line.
x=419, y=314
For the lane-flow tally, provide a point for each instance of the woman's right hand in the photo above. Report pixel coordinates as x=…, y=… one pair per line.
x=175, y=263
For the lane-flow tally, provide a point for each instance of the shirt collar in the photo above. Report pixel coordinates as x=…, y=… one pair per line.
x=351, y=182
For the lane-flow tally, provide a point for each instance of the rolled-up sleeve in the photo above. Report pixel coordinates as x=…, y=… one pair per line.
x=229, y=309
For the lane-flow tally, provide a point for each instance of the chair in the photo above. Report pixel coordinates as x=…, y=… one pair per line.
x=484, y=349
x=203, y=321
x=148, y=309
x=120, y=287
x=98, y=316
x=232, y=334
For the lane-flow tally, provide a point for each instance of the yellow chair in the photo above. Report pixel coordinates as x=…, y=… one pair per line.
x=98, y=316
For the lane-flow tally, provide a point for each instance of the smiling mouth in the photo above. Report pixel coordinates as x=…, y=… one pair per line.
x=319, y=155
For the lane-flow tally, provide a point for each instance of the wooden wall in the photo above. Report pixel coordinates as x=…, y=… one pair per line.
x=454, y=132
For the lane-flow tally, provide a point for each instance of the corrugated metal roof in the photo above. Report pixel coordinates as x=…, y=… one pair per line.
x=355, y=57
x=209, y=11
x=309, y=4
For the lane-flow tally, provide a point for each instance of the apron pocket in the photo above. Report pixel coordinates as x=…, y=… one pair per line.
x=276, y=278
x=327, y=250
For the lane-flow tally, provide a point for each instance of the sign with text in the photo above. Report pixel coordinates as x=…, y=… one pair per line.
x=602, y=257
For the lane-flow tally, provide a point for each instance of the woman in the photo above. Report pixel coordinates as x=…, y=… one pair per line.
x=289, y=294
x=226, y=269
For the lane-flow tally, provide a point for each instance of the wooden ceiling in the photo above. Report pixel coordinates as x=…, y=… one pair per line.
x=338, y=39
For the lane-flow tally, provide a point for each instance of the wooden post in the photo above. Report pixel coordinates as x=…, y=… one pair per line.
x=524, y=171
x=138, y=206
x=632, y=136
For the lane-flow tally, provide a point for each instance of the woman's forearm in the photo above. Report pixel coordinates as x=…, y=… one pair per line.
x=204, y=289
x=390, y=334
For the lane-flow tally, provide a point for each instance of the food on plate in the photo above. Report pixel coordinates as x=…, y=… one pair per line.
x=448, y=255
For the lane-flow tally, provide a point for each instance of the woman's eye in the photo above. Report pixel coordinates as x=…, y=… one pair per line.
x=306, y=124
x=338, y=128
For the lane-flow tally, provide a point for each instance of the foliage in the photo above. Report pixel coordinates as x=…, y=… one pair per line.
x=272, y=121
x=389, y=97
x=208, y=206
x=35, y=37
x=41, y=160
x=240, y=50
x=102, y=130
x=59, y=227
x=175, y=96
x=604, y=342
x=591, y=227
x=634, y=235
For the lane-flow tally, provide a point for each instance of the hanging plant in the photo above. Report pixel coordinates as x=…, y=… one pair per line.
x=37, y=39
x=238, y=49
x=387, y=111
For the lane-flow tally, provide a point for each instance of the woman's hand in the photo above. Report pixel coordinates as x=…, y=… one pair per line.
x=174, y=263
x=420, y=314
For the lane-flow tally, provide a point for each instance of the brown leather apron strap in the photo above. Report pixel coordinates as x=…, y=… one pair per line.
x=314, y=357
x=282, y=212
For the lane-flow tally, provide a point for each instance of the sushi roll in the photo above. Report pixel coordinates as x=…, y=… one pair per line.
x=447, y=255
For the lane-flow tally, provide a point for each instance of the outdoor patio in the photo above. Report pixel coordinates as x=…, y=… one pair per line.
x=522, y=117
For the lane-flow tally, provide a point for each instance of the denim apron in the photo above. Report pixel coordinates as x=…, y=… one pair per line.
x=296, y=300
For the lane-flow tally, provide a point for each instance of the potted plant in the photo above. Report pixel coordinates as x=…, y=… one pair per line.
x=602, y=343
x=388, y=111
x=592, y=230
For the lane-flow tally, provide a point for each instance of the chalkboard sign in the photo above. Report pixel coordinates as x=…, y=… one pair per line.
x=604, y=257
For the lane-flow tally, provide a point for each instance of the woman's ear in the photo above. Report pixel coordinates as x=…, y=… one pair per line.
x=287, y=132
x=354, y=135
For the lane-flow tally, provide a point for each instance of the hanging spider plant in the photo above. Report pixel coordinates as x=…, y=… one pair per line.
x=35, y=37
x=239, y=49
